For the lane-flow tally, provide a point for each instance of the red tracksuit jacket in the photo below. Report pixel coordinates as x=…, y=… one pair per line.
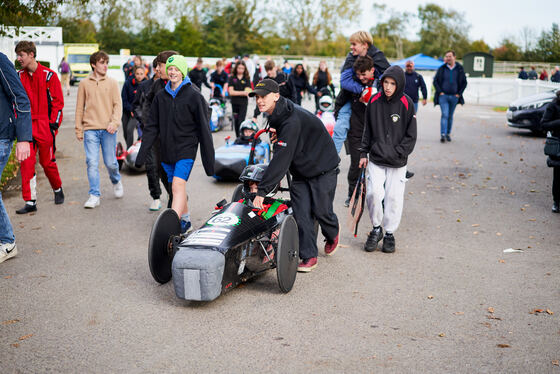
x=47, y=101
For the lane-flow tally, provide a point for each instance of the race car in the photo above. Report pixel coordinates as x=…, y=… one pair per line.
x=237, y=243
x=231, y=158
x=128, y=157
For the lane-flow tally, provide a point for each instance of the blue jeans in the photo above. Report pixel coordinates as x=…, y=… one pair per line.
x=108, y=142
x=342, y=126
x=6, y=230
x=447, y=104
x=416, y=107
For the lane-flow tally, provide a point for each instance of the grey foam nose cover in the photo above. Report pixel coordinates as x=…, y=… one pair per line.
x=197, y=274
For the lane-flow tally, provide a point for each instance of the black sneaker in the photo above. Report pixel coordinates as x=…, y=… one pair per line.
x=409, y=174
x=442, y=139
x=27, y=208
x=59, y=196
x=388, y=243
x=347, y=202
x=448, y=138
x=373, y=239
x=556, y=207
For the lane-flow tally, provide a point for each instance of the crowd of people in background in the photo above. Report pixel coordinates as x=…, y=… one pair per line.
x=543, y=76
x=162, y=102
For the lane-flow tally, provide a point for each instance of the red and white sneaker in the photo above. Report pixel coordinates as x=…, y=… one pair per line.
x=332, y=246
x=305, y=266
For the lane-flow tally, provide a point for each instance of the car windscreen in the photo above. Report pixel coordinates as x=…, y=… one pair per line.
x=78, y=59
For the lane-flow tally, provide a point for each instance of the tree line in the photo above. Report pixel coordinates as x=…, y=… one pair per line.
x=233, y=27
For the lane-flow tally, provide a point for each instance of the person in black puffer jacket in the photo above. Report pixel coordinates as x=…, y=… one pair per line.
x=551, y=122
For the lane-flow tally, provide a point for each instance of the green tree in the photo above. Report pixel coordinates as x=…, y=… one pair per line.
x=507, y=51
x=479, y=46
x=76, y=30
x=152, y=39
x=27, y=13
x=442, y=30
x=548, y=45
x=188, y=38
x=391, y=31
x=308, y=23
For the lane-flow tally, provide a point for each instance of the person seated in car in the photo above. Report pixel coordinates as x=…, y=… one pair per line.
x=247, y=131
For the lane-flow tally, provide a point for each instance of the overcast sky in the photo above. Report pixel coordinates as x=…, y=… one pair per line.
x=490, y=20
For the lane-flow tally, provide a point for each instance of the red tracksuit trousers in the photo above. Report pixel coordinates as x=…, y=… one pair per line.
x=47, y=161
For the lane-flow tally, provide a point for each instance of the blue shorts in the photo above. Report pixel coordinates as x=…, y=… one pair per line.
x=181, y=169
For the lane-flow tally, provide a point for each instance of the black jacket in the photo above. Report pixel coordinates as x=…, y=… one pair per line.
x=443, y=73
x=138, y=104
x=304, y=146
x=128, y=93
x=551, y=118
x=390, y=125
x=551, y=122
x=198, y=77
x=157, y=86
x=181, y=123
x=414, y=81
x=300, y=83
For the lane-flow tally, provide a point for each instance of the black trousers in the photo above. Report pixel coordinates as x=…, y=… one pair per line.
x=239, y=113
x=299, y=97
x=129, y=124
x=312, y=199
x=354, y=170
x=556, y=183
x=156, y=173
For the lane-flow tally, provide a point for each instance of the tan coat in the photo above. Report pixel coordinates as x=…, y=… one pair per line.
x=98, y=105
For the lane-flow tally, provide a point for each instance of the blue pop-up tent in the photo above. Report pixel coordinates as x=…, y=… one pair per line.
x=421, y=62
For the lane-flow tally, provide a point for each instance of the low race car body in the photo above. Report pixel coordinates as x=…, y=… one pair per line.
x=128, y=157
x=236, y=243
x=231, y=158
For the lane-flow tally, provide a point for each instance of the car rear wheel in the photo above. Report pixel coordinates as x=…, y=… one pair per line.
x=160, y=253
x=287, y=254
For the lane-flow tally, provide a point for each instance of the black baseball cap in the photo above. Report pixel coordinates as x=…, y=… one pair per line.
x=265, y=87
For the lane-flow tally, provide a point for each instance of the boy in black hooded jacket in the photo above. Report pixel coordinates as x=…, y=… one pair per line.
x=389, y=137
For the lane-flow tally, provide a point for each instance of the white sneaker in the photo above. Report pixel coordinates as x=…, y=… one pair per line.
x=92, y=202
x=118, y=189
x=7, y=251
x=156, y=205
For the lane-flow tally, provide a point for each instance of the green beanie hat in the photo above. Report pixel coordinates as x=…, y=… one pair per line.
x=180, y=62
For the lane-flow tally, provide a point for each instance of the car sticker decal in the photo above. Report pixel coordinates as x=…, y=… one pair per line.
x=224, y=219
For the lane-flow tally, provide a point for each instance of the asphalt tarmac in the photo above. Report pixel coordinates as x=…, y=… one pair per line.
x=79, y=297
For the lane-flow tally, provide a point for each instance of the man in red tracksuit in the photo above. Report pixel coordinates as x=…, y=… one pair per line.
x=45, y=94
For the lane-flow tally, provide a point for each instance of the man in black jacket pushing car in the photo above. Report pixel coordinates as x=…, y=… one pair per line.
x=304, y=147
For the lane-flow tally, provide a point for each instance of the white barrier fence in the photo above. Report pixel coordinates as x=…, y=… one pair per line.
x=502, y=91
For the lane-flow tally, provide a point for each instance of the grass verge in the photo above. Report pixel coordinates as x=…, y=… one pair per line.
x=500, y=108
x=11, y=169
